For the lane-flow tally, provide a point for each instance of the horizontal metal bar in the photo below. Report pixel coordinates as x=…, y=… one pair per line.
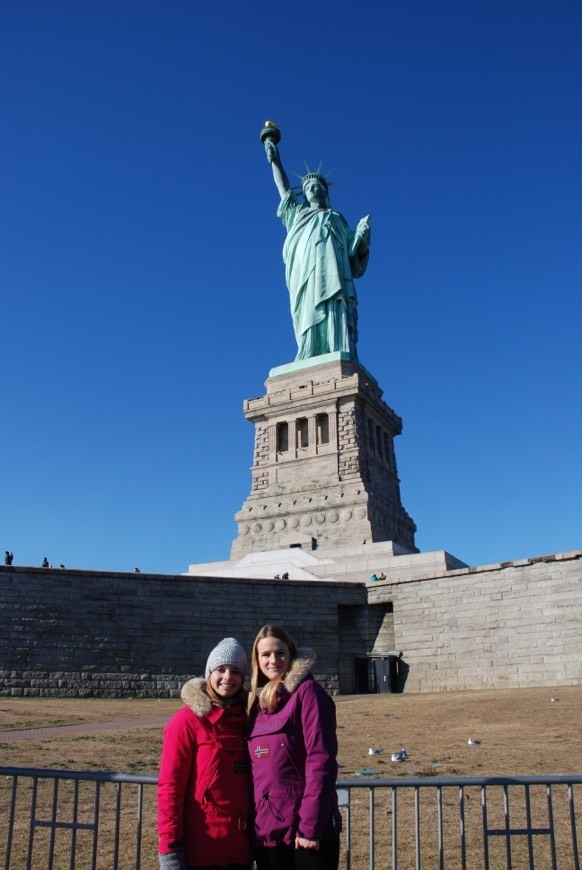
x=71, y=826
x=502, y=832
x=458, y=781
x=92, y=776
x=359, y=782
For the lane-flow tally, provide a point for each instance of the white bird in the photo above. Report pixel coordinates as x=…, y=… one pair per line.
x=472, y=742
x=554, y=699
x=401, y=755
x=372, y=751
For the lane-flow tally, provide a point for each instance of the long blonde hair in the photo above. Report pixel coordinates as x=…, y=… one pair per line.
x=263, y=691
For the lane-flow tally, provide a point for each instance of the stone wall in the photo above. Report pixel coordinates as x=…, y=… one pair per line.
x=89, y=633
x=94, y=633
x=508, y=625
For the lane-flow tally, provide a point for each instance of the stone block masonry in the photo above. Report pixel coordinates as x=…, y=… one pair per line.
x=507, y=625
x=68, y=633
x=324, y=467
x=83, y=633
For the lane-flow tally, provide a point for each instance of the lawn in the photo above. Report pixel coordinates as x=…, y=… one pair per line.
x=520, y=732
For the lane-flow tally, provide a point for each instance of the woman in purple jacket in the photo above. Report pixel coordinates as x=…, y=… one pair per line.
x=293, y=749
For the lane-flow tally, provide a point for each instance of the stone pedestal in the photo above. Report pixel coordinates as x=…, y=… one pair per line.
x=324, y=470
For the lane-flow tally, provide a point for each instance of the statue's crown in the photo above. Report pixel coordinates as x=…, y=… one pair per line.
x=314, y=176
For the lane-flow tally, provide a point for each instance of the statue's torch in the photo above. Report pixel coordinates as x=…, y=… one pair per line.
x=271, y=131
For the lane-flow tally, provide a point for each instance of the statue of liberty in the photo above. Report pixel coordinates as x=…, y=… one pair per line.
x=322, y=257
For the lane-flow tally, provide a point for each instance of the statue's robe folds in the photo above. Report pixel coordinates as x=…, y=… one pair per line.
x=320, y=267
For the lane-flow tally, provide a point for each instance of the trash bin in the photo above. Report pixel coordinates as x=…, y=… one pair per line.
x=386, y=674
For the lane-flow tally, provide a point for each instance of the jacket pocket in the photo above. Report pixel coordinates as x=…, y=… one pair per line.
x=277, y=813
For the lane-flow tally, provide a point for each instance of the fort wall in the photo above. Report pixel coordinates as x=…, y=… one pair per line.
x=84, y=633
x=506, y=625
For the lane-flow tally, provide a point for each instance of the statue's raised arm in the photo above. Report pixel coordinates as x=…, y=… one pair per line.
x=322, y=257
x=271, y=136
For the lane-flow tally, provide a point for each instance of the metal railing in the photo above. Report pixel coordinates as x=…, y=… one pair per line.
x=462, y=822
x=54, y=819
x=58, y=819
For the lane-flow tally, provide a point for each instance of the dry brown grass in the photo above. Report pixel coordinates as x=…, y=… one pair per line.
x=522, y=732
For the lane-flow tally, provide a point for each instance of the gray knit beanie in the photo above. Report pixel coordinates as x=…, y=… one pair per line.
x=228, y=652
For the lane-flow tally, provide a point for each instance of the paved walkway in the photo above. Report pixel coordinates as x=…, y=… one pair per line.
x=83, y=728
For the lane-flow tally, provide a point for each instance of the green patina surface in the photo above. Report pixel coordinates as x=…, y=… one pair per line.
x=301, y=364
x=322, y=258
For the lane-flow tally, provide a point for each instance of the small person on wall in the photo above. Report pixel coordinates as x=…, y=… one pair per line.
x=8, y=557
x=293, y=749
x=204, y=790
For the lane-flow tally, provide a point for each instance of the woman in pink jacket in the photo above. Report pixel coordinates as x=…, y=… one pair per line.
x=204, y=793
x=293, y=749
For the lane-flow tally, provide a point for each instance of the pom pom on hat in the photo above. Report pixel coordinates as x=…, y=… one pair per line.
x=228, y=652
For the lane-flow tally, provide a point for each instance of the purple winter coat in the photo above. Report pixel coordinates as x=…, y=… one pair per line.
x=293, y=757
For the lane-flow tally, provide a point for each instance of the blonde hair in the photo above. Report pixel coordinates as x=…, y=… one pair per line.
x=263, y=691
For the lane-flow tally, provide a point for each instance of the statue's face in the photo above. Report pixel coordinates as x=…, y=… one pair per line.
x=315, y=193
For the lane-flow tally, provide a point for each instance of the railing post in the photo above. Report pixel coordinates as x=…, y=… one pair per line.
x=417, y=827
x=394, y=829
x=75, y=821
x=485, y=827
x=573, y=826
x=440, y=827
x=371, y=846
x=551, y=825
x=462, y=828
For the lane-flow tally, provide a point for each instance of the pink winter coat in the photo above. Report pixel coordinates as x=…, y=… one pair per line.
x=293, y=755
x=204, y=794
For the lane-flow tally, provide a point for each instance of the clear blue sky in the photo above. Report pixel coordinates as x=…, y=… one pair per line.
x=142, y=285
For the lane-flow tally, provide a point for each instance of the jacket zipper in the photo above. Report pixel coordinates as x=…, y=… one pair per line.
x=297, y=771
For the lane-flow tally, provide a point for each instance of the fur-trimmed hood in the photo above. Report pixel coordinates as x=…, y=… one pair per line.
x=194, y=695
x=301, y=667
x=298, y=672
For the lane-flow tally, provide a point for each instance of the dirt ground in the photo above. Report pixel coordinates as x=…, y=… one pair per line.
x=521, y=732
